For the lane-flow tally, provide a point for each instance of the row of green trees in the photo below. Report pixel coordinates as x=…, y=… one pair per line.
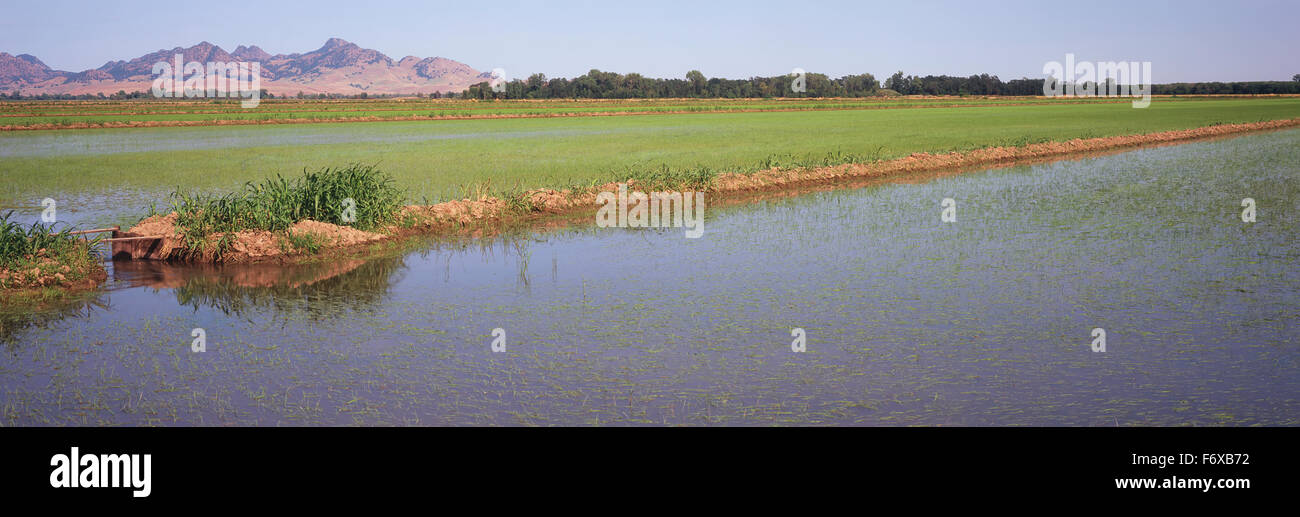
x=120, y=95
x=610, y=85
x=983, y=84
x=1238, y=88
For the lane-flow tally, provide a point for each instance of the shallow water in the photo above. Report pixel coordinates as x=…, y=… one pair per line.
x=984, y=321
x=137, y=140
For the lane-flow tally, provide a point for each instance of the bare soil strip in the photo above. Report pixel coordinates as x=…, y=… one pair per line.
x=478, y=216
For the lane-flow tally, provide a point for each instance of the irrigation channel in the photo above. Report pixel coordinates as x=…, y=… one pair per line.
x=988, y=320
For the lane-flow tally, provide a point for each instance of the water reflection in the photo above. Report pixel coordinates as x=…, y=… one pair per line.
x=17, y=318
x=315, y=289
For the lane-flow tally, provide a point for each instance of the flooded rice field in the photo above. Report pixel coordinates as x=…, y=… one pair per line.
x=72, y=143
x=908, y=320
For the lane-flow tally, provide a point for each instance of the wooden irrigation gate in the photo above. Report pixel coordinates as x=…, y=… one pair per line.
x=124, y=245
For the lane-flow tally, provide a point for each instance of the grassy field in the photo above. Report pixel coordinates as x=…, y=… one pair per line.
x=60, y=114
x=125, y=170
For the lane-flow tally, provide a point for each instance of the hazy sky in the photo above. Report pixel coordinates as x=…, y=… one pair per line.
x=1184, y=40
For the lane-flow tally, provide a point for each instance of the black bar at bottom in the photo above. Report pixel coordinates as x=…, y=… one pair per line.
x=309, y=467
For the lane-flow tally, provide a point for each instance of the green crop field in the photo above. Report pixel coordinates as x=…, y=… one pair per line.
x=118, y=173
x=60, y=114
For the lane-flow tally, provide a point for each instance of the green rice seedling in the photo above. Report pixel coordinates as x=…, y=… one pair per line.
x=476, y=190
x=517, y=202
x=666, y=178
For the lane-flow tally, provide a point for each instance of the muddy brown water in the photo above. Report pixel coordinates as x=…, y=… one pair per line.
x=987, y=320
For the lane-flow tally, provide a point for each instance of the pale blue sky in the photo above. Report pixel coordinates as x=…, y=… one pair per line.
x=1184, y=40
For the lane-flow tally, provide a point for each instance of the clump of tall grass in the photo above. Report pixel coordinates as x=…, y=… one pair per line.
x=18, y=241
x=25, y=248
x=275, y=204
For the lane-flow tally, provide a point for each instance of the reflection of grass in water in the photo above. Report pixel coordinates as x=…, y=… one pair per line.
x=296, y=292
x=51, y=308
x=522, y=256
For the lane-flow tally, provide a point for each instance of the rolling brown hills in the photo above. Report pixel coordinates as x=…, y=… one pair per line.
x=338, y=66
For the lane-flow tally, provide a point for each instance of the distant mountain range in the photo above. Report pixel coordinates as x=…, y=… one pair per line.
x=337, y=67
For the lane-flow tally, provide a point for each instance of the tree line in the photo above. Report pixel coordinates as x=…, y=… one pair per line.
x=610, y=85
